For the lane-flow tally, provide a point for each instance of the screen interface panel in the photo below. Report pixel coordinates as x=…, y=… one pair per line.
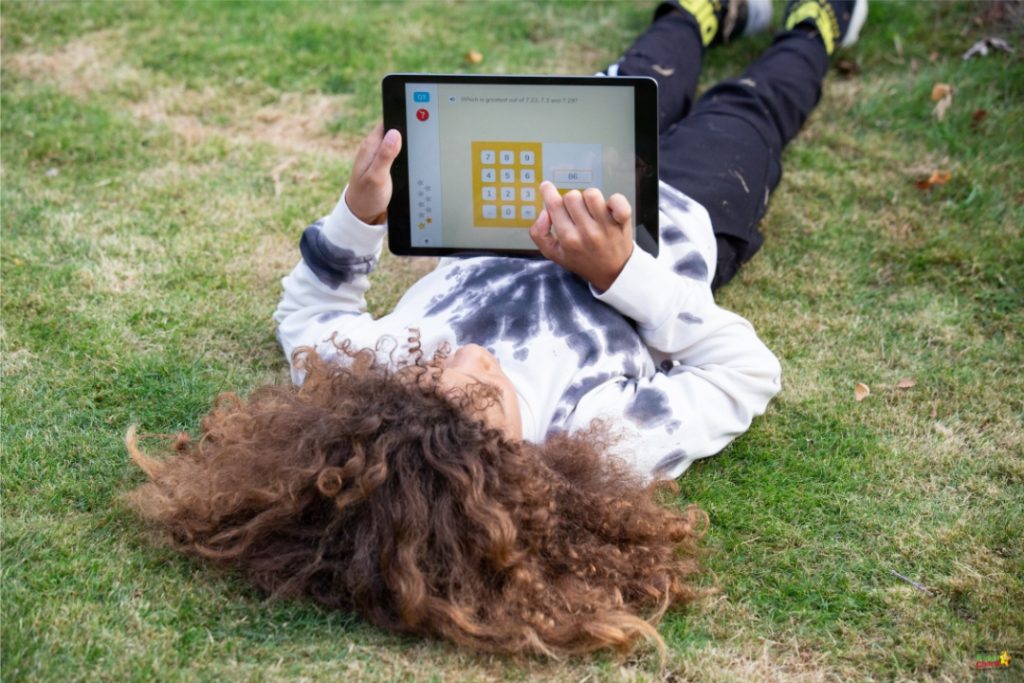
x=478, y=153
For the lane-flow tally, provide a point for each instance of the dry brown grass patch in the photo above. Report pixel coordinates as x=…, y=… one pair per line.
x=271, y=258
x=744, y=655
x=78, y=68
x=295, y=123
x=93, y=65
x=16, y=362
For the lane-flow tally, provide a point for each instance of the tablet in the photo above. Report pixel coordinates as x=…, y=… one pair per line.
x=476, y=148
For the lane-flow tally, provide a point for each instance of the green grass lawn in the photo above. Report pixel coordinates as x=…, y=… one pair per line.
x=160, y=162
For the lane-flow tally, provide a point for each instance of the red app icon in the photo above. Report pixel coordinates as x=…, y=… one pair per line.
x=422, y=114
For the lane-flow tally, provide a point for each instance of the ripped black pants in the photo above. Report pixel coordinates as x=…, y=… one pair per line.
x=725, y=150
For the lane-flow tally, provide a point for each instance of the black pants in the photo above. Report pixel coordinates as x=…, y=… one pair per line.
x=725, y=150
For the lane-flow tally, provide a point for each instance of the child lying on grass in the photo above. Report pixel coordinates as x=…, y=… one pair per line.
x=483, y=473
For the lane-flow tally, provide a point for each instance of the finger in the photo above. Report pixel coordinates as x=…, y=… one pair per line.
x=540, y=233
x=367, y=149
x=554, y=204
x=594, y=201
x=620, y=210
x=577, y=209
x=390, y=146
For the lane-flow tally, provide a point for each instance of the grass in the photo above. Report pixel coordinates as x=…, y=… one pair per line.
x=144, y=234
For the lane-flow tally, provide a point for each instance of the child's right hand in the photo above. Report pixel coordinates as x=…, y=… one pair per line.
x=369, y=189
x=584, y=233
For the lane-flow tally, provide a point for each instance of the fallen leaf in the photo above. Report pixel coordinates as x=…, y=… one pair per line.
x=981, y=48
x=848, y=67
x=932, y=56
x=474, y=57
x=934, y=412
x=936, y=178
x=906, y=383
x=860, y=391
x=977, y=117
x=940, y=90
x=942, y=95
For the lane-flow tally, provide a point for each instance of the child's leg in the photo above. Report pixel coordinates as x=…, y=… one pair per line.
x=670, y=51
x=727, y=153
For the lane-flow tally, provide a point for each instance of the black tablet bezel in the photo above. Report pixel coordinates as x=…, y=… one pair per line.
x=645, y=102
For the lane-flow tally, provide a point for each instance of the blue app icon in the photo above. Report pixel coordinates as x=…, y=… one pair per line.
x=421, y=96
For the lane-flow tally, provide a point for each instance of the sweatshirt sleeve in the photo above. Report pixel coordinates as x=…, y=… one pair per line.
x=714, y=377
x=325, y=294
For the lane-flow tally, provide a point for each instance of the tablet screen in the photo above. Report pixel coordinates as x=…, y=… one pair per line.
x=475, y=153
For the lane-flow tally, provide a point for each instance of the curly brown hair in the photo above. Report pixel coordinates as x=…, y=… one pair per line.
x=366, y=489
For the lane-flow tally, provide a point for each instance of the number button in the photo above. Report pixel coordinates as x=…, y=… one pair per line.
x=490, y=193
x=526, y=194
x=508, y=194
x=508, y=211
x=526, y=158
x=507, y=157
x=488, y=175
x=526, y=175
x=487, y=156
x=508, y=175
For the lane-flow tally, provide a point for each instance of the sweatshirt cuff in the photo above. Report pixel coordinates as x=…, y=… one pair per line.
x=644, y=291
x=342, y=228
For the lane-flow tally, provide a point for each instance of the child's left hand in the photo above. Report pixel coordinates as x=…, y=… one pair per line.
x=584, y=233
x=369, y=189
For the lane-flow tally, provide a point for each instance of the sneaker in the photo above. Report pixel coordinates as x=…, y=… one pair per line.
x=837, y=21
x=722, y=20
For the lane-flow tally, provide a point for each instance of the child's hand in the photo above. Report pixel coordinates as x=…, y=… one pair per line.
x=585, y=234
x=369, y=189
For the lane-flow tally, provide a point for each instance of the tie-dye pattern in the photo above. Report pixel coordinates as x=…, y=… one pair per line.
x=333, y=265
x=505, y=299
x=653, y=356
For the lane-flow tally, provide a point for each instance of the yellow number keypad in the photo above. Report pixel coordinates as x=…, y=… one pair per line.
x=505, y=179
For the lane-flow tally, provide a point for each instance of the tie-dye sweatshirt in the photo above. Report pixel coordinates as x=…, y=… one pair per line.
x=653, y=356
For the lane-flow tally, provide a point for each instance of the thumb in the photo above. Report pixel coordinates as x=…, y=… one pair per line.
x=389, y=148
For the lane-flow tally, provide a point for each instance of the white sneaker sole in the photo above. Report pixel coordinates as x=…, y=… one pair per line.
x=759, y=16
x=857, y=19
